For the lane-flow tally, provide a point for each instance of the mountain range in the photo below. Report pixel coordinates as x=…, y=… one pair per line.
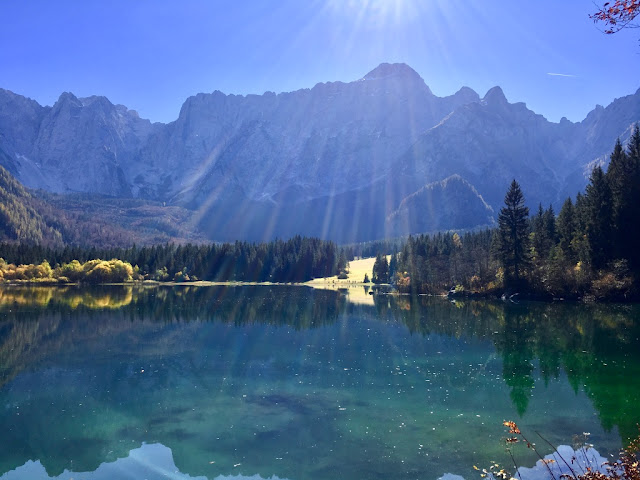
x=378, y=157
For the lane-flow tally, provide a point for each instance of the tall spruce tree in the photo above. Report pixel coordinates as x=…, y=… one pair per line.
x=566, y=230
x=619, y=175
x=538, y=237
x=623, y=176
x=544, y=232
x=633, y=232
x=580, y=244
x=381, y=269
x=513, y=237
x=550, y=229
x=599, y=226
x=393, y=267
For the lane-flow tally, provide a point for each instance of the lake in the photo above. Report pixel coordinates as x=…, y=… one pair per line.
x=296, y=383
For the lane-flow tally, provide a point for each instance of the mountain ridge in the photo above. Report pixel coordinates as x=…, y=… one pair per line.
x=318, y=151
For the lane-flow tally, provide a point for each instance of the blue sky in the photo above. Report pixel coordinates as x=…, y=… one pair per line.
x=152, y=55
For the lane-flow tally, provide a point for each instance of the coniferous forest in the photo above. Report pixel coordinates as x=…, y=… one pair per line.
x=296, y=260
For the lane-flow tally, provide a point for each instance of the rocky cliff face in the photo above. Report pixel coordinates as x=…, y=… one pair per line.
x=334, y=160
x=330, y=139
x=78, y=145
x=488, y=144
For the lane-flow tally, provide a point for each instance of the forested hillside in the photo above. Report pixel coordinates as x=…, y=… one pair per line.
x=23, y=218
x=51, y=220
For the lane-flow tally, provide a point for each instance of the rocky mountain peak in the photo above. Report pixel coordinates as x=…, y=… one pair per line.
x=385, y=70
x=11, y=102
x=397, y=77
x=20, y=119
x=68, y=97
x=495, y=96
x=8, y=94
x=467, y=95
x=96, y=100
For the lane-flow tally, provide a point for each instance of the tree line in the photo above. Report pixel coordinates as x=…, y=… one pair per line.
x=296, y=260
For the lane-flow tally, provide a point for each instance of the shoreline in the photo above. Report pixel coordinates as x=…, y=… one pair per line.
x=328, y=285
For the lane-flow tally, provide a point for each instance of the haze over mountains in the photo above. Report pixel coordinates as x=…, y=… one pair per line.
x=378, y=157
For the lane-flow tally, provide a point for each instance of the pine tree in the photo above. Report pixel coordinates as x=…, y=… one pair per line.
x=393, y=267
x=618, y=176
x=633, y=232
x=539, y=234
x=381, y=269
x=623, y=176
x=566, y=230
x=580, y=244
x=549, y=221
x=513, y=237
x=599, y=226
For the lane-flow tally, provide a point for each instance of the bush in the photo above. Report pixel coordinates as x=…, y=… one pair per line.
x=610, y=287
x=112, y=271
x=72, y=271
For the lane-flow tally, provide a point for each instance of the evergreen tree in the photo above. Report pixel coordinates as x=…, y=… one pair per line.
x=544, y=232
x=513, y=237
x=342, y=262
x=551, y=235
x=599, y=209
x=393, y=267
x=634, y=143
x=632, y=239
x=381, y=269
x=619, y=175
x=580, y=244
x=566, y=230
x=623, y=176
x=538, y=234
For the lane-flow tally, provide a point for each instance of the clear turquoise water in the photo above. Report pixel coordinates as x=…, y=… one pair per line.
x=301, y=383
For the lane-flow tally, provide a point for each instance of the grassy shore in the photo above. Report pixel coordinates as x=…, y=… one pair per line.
x=355, y=276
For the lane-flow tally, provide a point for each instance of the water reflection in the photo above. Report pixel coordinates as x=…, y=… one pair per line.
x=302, y=383
x=155, y=462
x=149, y=462
x=66, y=296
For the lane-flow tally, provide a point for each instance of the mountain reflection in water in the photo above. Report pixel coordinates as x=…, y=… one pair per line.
x=149, y=462
x=155, y=462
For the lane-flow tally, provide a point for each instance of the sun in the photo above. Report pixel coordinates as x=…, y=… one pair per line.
x=377, y=11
